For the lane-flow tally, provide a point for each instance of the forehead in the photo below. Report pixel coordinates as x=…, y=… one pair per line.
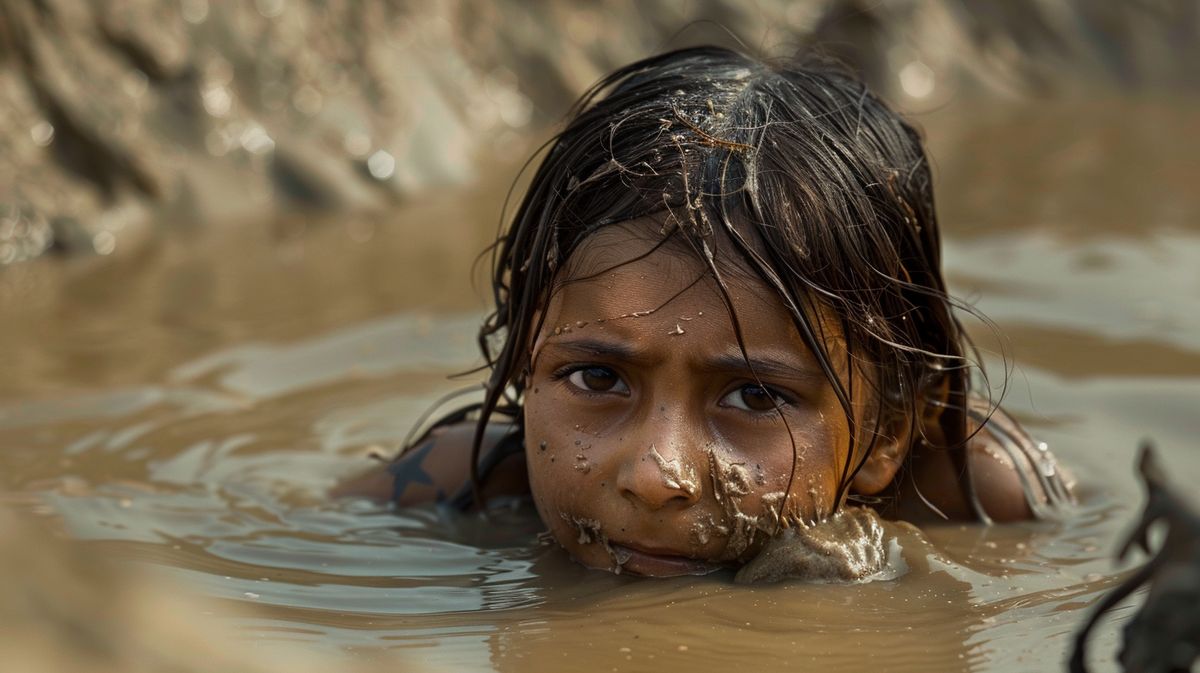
x=627, y=242
x=626, y=281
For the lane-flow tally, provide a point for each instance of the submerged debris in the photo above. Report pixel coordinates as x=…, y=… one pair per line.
x=1164, y=636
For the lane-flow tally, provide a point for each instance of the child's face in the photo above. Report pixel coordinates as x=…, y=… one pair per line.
x=649, y=443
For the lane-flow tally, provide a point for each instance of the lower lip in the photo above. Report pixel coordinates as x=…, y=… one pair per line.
x=656, y=565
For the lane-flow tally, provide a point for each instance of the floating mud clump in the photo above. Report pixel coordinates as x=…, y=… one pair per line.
x=850, y=546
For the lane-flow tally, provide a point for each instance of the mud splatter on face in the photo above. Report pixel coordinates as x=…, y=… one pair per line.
x=703, y=531
x=676, y=474
x=653, y=442
x=731, y=482
x=589, y=529
x=590, y=532
x=582, y=464
x=771, y=506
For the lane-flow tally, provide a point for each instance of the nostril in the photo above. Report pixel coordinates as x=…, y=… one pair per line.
x=681, y=499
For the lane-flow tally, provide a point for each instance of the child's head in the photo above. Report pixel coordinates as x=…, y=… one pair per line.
x=722, y=286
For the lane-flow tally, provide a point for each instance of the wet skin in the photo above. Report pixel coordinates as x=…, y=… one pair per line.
x=649, y=444
x=648, y=437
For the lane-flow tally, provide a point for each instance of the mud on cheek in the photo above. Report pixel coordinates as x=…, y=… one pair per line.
x=555, y=498
x=752, y=506
x=801, y=539
x=591, y=532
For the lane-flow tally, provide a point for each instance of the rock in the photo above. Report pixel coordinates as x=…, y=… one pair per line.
x=345, y=105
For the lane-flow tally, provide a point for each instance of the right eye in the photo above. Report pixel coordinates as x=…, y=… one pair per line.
x=597, y=380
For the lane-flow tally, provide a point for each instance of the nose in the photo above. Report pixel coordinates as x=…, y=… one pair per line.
x=657, y=479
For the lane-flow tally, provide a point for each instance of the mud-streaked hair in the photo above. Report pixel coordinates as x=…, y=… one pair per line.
x=810, y=181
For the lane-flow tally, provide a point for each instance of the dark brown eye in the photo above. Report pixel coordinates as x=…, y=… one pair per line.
x=597, y=380
x=753, y=398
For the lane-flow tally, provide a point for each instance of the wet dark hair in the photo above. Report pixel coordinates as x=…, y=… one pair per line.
x=807, y=179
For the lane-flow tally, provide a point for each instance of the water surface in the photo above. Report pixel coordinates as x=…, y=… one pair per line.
x=185, y=406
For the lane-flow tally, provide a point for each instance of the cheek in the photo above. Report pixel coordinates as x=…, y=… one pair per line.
x=558, y=460
x=803, y=458
x=565, y=482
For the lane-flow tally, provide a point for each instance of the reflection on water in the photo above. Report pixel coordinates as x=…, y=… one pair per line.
x=187, y=409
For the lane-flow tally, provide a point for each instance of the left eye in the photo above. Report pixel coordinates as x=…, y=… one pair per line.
x=753, y=398
x=598, y=380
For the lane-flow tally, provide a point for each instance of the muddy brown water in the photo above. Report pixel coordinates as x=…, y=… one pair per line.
x=184, y=406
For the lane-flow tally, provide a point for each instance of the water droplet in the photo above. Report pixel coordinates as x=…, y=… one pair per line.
x=917, y=79
x=516, y=110
x=256, y=141
x=217, y=100
x=42, y=133
x=381, y=165
x=104, y=243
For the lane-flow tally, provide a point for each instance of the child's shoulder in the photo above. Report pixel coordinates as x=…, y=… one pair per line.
x=1017, y=477
x=437, y=468
x=1014, y=476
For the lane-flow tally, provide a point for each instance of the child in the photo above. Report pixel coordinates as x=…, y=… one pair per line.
x=720, y=311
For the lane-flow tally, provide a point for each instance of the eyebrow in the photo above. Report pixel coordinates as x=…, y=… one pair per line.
x=765, y=366
x=596, y=347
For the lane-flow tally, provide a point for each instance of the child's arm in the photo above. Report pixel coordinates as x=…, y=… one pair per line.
x=439, y=468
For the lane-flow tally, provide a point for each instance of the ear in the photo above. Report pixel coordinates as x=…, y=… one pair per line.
x=891, y=448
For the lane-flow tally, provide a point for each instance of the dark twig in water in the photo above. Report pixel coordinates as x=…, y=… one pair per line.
x=1164, y=636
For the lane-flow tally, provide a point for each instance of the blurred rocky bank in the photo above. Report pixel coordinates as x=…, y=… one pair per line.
x=125, y=118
